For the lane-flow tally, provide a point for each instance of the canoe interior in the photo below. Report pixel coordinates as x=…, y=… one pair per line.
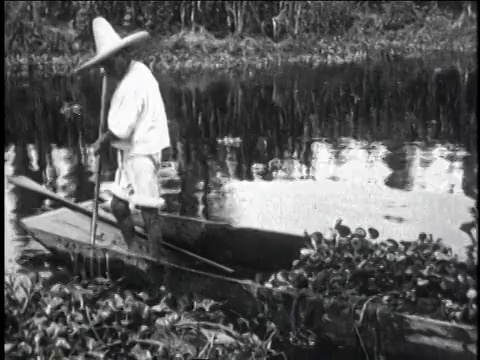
x=242, y=247
x=63, y=230
x=411, y=336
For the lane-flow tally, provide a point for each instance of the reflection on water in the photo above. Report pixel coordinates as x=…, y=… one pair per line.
x=205, y=189
x=381, y=131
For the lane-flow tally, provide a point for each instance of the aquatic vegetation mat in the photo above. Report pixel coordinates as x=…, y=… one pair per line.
x=420, y=277
x=100, y=319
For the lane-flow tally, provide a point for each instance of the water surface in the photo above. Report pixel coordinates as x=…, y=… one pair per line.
x=391, y=146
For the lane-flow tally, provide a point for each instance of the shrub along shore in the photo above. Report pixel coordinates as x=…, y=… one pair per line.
x=346, y=32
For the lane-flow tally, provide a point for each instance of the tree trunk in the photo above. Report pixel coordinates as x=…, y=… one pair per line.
x=182, y=16
x=134, y=14
x=298, y=6
x=34, y=11
x=237, y=11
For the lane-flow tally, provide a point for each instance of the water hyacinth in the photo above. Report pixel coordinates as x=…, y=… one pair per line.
x=102, y=320
x=421, y=276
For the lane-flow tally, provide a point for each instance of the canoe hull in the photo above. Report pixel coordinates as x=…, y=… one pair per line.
x=233, y=246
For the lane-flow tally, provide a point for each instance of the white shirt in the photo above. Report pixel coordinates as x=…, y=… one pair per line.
x=137, y=114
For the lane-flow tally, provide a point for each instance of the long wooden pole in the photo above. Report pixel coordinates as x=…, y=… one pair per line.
x=98, y=164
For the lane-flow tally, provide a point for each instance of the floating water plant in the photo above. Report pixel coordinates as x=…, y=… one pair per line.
x=102, y=320
x=417, y=277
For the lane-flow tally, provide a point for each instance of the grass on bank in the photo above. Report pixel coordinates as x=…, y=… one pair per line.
x=366, y=36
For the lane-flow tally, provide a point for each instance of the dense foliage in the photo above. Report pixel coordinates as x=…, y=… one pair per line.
x=420, y=277
x=102, y=320
x=233, y=31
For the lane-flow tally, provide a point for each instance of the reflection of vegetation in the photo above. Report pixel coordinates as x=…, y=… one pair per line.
x=273, y=114
x=208, y=34
x=284, y=113
x=276, y=115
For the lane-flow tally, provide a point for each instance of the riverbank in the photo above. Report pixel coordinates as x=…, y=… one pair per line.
x=199, y=50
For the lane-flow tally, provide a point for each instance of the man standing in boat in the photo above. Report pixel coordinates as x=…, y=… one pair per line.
x=137, y=128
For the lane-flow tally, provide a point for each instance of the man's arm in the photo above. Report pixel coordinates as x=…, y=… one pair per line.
x=103, y=141
x=108, y=137
x=122, y=115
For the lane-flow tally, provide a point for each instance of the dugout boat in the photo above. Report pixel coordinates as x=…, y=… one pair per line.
x=239, y=247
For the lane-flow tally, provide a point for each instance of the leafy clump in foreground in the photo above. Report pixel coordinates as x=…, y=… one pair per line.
x=102, y=320
x=418, y=277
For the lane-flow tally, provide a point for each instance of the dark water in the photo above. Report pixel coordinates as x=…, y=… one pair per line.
x=351, y=124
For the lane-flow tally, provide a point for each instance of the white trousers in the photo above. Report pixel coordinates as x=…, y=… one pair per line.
x=136, y=179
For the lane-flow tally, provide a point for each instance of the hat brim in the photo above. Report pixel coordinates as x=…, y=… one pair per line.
x=123, y=43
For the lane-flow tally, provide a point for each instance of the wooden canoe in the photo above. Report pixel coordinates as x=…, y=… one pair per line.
x=242, y=247
x=234, y=246
x=381, y=331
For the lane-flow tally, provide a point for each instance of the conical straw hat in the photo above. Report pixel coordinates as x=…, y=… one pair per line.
x=108, y=42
